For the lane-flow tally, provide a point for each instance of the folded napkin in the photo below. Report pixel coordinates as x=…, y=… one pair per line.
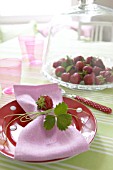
x=27, y=95
x=35, y=143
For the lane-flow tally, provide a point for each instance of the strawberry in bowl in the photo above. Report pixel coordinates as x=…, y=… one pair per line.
x=89, y=71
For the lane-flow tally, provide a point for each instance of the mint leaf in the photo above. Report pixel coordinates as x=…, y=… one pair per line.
x=61, y=108
x=63, y=121
x=49, y=122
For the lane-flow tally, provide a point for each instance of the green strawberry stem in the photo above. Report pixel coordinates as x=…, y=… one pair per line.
x=40, y=113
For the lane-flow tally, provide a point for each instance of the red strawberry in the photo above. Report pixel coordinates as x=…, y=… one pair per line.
x=108, y=69
x=56, y=64
x=78, y=58
x=59, y=70
x=99, y=63
x=97, y=70
x=99, y=80
x=44, y=103
x=75, y=78
x=110, y=79
x=102, y=73
x=87, y=69
x=62, y=60
x=89, y=60
x=79, y=65
x=89, y=79
x=65, y=77
x=106, y=75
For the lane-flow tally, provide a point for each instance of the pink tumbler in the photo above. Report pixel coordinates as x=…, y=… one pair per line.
x=10, y=74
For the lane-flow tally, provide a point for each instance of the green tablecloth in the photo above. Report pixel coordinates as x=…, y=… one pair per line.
x=100, y=155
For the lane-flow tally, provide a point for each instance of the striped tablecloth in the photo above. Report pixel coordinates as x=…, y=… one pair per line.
x=100, y=155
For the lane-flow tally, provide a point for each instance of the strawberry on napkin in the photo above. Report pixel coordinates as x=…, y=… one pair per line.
x=27, y=95
x=35, y=143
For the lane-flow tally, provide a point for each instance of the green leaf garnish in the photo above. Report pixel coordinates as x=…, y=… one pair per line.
x=64, y=64
x=69, y=61
x=61, y=108
x=63, y=121
x=68, y=68
x=55, y=116
x=60, y=115
x=49, y=122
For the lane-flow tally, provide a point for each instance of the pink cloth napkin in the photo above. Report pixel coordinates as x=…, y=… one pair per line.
x=37, y=144
x=27, y=95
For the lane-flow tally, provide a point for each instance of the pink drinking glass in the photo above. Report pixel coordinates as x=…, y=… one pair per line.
x=10, y=74
x=35, y=51
x=22, y=41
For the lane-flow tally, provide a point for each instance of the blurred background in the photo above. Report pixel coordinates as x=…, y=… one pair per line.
x=25, y=17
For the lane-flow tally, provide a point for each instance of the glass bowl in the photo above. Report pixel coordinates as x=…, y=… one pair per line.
x=86, y=30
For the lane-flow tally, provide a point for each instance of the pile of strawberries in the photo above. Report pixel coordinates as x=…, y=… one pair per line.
x=89, y=71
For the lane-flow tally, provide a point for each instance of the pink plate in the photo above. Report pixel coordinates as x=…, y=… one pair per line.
x=83, y=119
